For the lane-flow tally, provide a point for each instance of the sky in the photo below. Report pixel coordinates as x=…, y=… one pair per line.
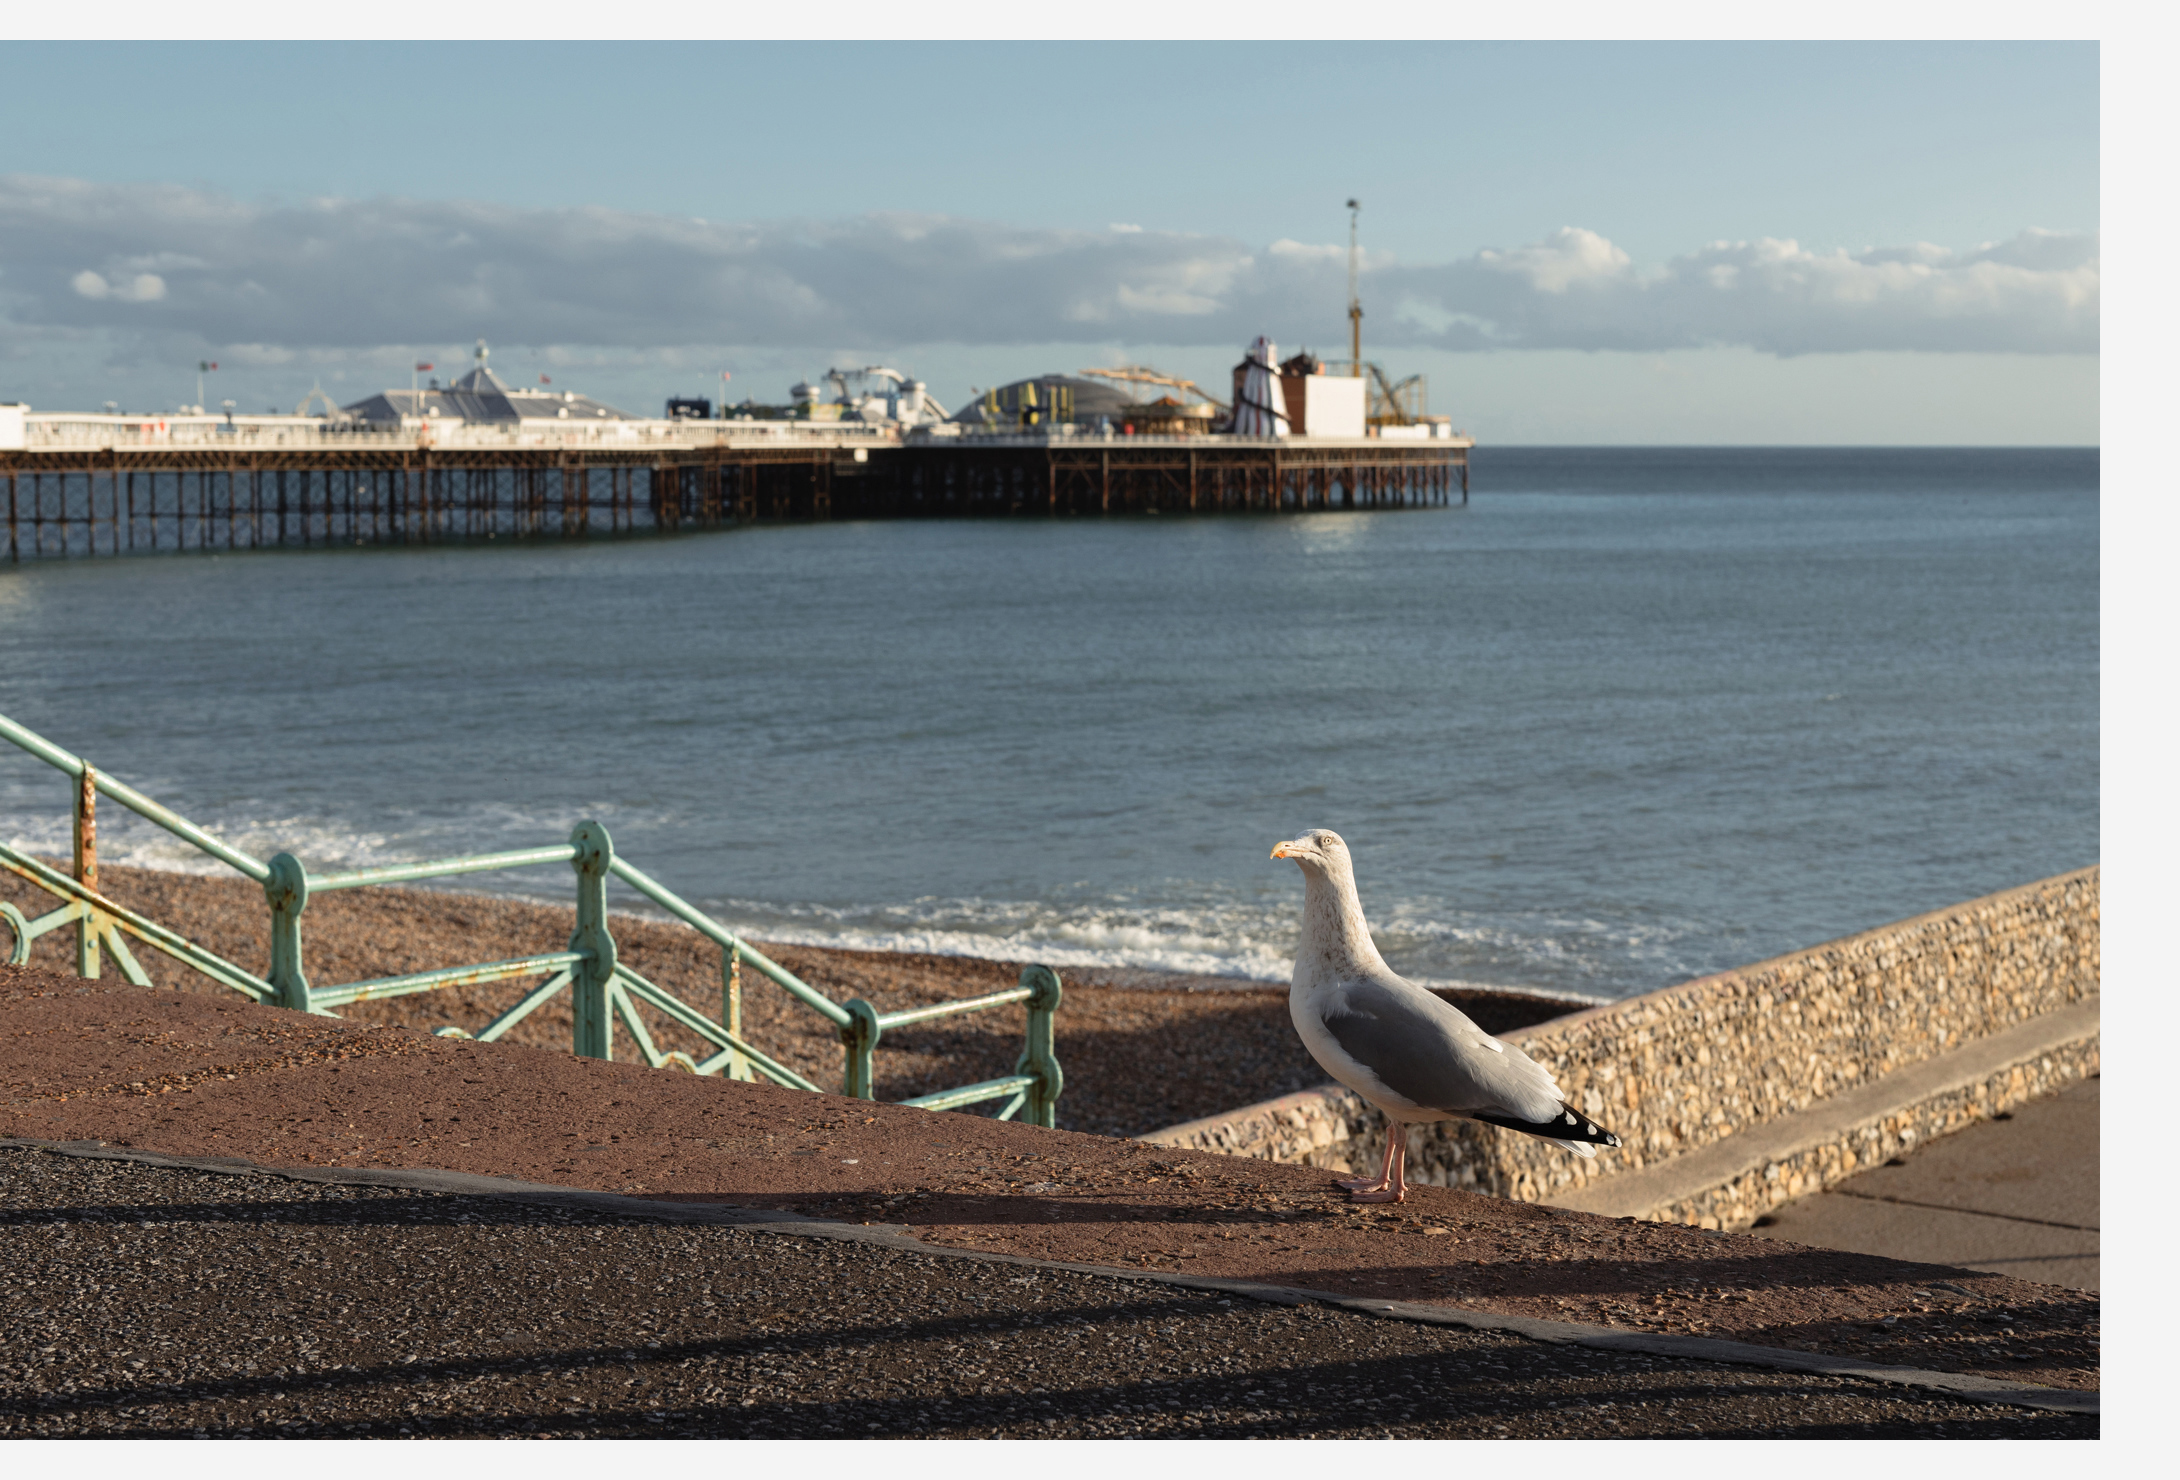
x=1642, y=242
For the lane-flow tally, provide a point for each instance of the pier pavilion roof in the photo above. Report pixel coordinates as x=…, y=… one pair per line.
x=1054, y=398
x=481, y=396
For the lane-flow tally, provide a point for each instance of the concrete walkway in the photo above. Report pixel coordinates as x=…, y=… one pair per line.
x=2015, y=1196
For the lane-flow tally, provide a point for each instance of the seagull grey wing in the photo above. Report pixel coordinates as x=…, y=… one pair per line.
x=1424, y=1056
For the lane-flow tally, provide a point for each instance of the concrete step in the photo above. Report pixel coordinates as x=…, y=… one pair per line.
x=2016, y=1195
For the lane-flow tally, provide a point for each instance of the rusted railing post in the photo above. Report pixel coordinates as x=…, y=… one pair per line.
x=594, y=975
x=287, y=890
x=86, y=835
x=1037, y=1055
x=731, y=1015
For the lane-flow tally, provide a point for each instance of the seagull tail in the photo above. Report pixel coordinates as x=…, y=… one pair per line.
x=1569, y=1128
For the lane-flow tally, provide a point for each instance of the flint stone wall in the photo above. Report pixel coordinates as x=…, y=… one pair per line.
x=1748, y=1196
x=1687, y=1066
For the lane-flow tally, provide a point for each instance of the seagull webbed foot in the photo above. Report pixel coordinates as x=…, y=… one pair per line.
x=1381, y=1195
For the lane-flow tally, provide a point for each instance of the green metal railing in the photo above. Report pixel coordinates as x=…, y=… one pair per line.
x=605, y=992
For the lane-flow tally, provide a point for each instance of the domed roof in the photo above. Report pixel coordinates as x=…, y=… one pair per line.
x=1087, y=401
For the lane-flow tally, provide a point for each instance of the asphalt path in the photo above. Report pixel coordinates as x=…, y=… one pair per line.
x=145, y=1301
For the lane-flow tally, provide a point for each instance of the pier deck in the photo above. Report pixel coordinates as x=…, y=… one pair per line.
x=109, y=486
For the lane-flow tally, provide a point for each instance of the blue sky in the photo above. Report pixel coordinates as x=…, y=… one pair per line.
x=1577, y=242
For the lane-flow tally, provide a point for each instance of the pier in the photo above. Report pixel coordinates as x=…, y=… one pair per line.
x=1172, y=475
x=81, y=486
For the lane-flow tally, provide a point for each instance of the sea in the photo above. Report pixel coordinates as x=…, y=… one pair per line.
x=1630, y=716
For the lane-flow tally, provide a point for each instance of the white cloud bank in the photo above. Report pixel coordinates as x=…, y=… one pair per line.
x=2037, y=293
x=160, y=262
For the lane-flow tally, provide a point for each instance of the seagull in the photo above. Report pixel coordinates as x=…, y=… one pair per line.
x=1404, y=1050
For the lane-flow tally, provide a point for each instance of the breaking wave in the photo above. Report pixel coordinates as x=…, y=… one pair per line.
x=1182, y=926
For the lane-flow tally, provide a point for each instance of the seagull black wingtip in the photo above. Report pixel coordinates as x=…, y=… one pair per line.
x=1565, y=1126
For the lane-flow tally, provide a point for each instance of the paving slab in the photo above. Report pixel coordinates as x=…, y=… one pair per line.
x=2016, y=1196
x=103, y=1062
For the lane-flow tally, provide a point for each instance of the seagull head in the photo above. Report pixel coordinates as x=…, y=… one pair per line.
x=1318, y=849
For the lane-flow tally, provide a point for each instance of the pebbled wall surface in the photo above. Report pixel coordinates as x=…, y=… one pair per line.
x=1740, y=1202
x=1685, y=1067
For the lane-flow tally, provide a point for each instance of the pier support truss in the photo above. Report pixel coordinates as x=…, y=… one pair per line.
x=62, y=504
x=1179, y=477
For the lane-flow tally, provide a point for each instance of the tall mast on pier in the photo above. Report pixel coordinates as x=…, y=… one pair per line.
x=1354, y=296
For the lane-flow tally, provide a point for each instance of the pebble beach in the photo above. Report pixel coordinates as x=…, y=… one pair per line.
x=1141, y=1049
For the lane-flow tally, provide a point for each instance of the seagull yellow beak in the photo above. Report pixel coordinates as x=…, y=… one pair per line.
x=1286, y=850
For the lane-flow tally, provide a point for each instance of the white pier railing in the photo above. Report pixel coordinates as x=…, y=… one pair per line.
x=79, y=431
x=53, y=431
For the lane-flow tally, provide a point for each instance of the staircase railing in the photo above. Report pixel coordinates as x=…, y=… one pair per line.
x=605, y=992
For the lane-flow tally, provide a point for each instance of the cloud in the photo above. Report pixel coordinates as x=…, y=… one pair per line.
x=333, y=277
x=2037, y=294
x=145, y=287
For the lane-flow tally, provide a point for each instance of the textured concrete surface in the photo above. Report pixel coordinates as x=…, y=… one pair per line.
x=2016, y=1196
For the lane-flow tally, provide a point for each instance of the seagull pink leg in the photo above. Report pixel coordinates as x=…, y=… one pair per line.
x=1392, y=1186
x=1395, y=1139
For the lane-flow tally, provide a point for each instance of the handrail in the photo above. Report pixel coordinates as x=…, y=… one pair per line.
x=471, y=863
x=451, y=976
x=45, y=431
x=972, y=1094
x=604, y=989
x=181, y=948
x=704, y=924
x=948, y=1009
x=696, y=1022
x=134, y=800
x=531, y=1001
